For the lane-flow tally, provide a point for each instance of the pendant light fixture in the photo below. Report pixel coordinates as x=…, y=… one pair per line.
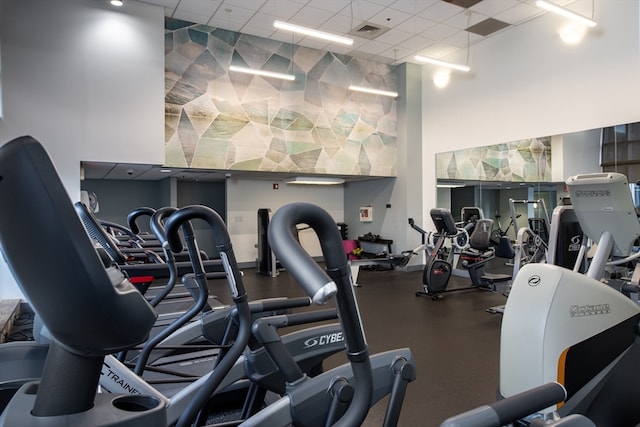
x=550, y=7
x=312, y=33
x=451, y=65
x=262, y=73
x=374, y=91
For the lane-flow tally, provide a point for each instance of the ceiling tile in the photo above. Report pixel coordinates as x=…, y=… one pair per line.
x=465, y=19
x=261, y=20
x=234, y=15
x=394, y=36
x=519, y=14
x=462, y=39
x=440, y=11
x=493, y=7
x=439, y=32
x=282, y=9
x=414, y=25
x=390, y=17
x=339, y=24
x=247, y=4
x=165, y=3
x=418, y=24
x=202, y=7
x=412, y=6
x=419, y=43
x=488, y=26
x=463, y=3
x=191, y=17
x=311, y=16
x=334, y=6
x=362, y=10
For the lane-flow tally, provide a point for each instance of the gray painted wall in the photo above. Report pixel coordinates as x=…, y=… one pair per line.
x=118, y=198
x=375, y=193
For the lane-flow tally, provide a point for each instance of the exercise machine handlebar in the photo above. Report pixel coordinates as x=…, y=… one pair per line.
x=423, y=233
x=220, y=235
x=134, y=215
x=511, y=409
x=305, y=270
x=236, y=286
x=121, y=228
x=320, y=286
x=157, y=228
x=157, y=223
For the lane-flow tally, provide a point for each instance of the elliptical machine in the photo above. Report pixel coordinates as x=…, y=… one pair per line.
x=439, y=264
x=580, y=332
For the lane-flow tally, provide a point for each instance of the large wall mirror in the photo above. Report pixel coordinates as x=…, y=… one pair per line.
x=532, y=172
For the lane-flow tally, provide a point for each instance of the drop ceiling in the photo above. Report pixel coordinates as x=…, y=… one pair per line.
x=387, y=31
x=434, y=28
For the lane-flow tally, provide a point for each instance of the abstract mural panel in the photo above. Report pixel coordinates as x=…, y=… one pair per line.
x=217, y=119
x=528, y=160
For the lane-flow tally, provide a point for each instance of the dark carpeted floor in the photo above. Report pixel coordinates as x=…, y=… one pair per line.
x=454, y=341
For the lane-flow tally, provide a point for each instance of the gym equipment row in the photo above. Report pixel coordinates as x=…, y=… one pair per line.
x=76, y=296
x=83, y=296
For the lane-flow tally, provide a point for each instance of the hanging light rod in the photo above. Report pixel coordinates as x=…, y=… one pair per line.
x=312, y=33
x=434, y=61
x=374, y=91
x=262, y=73
x=550, y=7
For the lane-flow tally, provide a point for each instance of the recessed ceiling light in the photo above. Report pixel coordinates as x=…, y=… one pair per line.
x=315, y=180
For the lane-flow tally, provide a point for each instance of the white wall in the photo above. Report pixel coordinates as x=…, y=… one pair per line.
x=245, y=197
x=526, y=83
x=87, y=81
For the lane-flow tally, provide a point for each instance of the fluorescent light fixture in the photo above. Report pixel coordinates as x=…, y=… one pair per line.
x=550, y=7
x=312, y=33
x=117, y=3
x=374, y=91
x=165, y=170
x=450, y=185
x=262, y=73
x=434, y=61
x=315, y=180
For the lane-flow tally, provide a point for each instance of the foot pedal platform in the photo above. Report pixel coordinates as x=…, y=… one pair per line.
x=9, y=312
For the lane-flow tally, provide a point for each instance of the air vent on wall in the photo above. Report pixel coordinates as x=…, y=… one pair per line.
x=367, y=30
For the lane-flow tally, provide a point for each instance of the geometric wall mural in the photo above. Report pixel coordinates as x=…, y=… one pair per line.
x=527, y=160
x=217, y=119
